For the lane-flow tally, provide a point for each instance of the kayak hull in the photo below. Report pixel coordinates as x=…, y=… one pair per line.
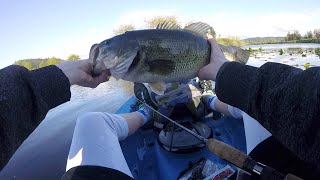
x=147, y=159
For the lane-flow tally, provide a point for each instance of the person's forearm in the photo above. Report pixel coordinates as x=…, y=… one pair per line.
x=221, y=107
x=284, y=99
x=25, y=98
x=233, y=83
x=53, y=85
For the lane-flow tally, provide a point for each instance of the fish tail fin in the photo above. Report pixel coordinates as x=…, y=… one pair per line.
x=234, y=53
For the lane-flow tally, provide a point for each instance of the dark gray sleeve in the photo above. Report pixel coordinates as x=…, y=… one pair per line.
x=94, y=172
x=25, y=98
x=284, y=99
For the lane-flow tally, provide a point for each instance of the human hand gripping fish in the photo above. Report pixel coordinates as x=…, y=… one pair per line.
x=80, y=72
x=217, y=59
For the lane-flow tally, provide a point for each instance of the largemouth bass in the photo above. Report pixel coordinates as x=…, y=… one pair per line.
x=165, y=54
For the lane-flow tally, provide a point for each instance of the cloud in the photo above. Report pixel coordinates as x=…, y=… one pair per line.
x=277, y=24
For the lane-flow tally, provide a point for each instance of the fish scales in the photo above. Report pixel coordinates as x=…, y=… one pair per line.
x=181, y=54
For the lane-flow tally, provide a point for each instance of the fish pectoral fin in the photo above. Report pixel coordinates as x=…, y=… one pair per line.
x=199, y=28
x=234, y=53
x=168, y=25
x=158, y=88
x=161, y=67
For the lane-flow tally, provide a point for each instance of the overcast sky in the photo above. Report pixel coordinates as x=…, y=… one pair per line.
x=42, y=28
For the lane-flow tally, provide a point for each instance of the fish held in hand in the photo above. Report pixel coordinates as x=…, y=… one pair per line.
x=165, y=54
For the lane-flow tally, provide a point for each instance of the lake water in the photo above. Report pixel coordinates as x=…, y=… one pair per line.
x=283, y=46
x=270, y=54
x=113, y=90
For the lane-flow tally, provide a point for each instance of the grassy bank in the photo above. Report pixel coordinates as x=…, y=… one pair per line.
x=255, y=41
x=231, y=41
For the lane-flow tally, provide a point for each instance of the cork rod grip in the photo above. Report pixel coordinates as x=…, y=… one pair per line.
x=227, y=152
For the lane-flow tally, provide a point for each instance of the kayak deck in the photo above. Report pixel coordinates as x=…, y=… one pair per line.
x=147, y=159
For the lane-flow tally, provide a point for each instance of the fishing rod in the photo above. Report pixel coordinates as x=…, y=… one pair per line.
x=233, y=155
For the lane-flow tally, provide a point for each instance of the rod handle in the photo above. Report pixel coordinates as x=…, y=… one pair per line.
x=227, y=152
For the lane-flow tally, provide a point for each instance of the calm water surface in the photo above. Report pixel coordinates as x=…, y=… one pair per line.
x=284, y=46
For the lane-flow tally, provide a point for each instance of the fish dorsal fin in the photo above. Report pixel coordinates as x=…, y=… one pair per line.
x=199, y=28
x=168, y=25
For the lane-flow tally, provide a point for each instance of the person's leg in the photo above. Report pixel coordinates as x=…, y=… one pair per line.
x=96, y=139
x=212, y=102
x=137, y=119
x=255, y=133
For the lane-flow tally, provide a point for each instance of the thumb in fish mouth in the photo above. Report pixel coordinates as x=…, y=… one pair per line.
x=99, y=67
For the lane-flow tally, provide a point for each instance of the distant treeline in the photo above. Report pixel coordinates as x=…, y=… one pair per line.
x=32, y=64
x=292, y=37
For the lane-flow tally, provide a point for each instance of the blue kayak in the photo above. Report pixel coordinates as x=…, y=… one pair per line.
x=147, y=159
x=44, y=154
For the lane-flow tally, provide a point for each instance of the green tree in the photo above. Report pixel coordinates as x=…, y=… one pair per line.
x=308, y=34
x=124, y=28
x=49, y=61
x=53, y=61
x=250, y=50
x=25, y=64
x=260, y=49
x=288, y=37
x=43, y=64
x=73, y=57
x=230, y=41
x=153, y=23
x=316, y=33
x=317, y=50
x=295, y=35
